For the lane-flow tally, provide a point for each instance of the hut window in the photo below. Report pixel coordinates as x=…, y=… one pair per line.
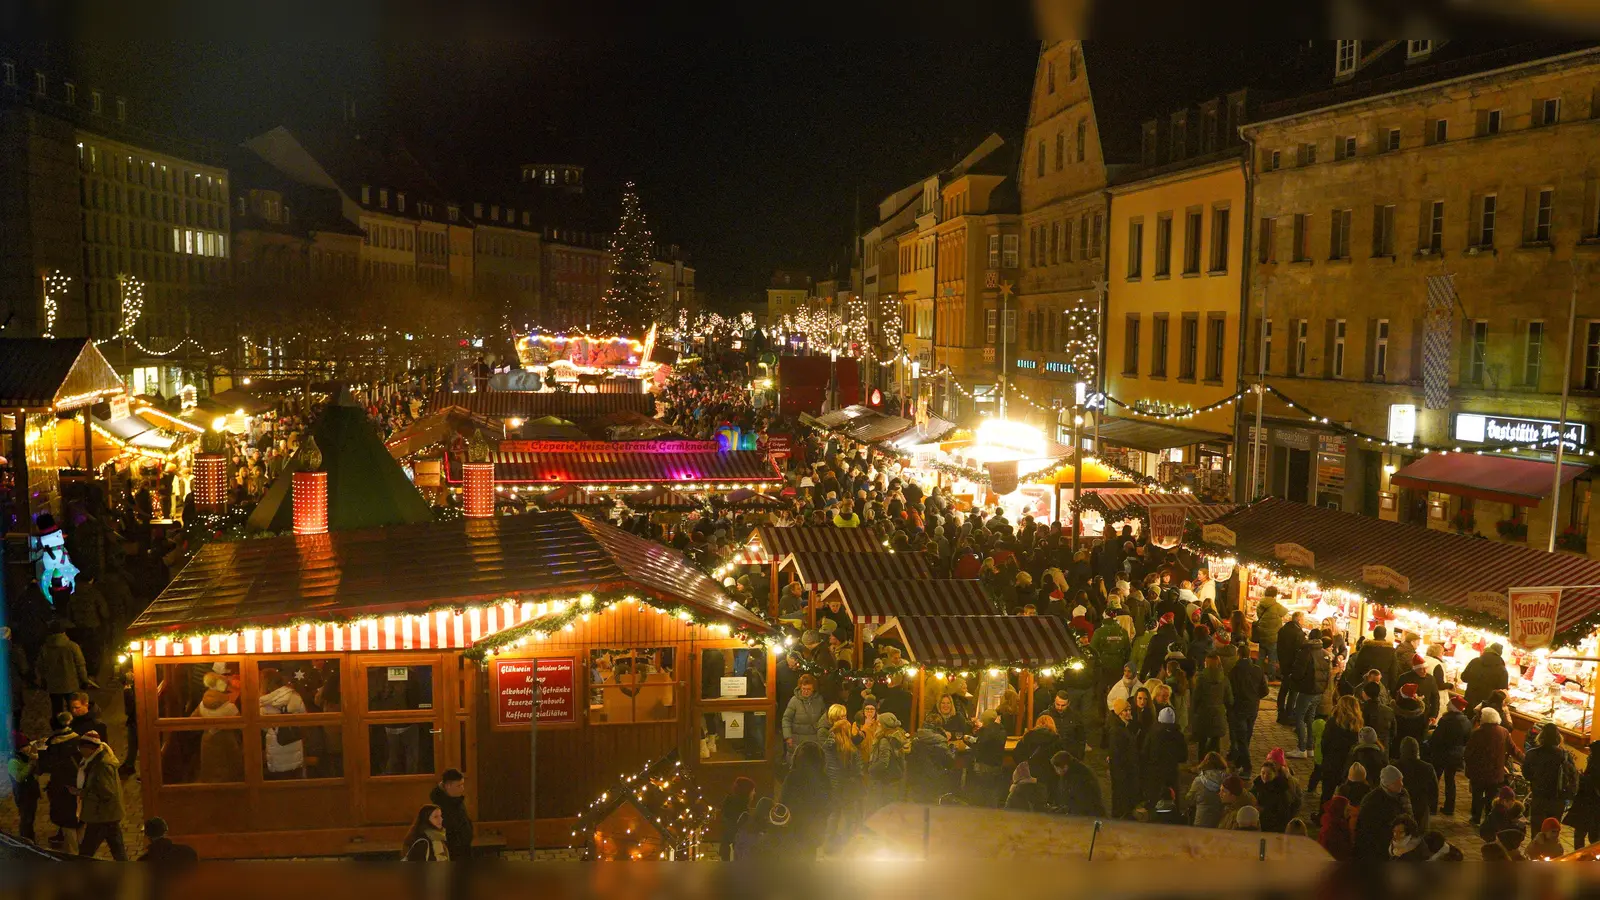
x=201, y=755
x=733, y=673
x=733, y=736
x=208, y=690
x=300, y=748
x=401, y=748
x=633, y=685
x=391, y=688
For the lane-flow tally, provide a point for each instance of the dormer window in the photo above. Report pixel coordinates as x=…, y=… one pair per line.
x=1345, y=56
x=8, y=71
x=383, y=197
x=72, y=94
x=400, y=200
x=366, y=195
x=453, y=211
x=41, y=84
x=1415, y=49
x=477, y=210
x=94, y=102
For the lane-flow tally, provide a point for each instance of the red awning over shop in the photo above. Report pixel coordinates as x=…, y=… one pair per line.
x=626, y=467
x=976, y=641
x=1501, y=479
x=818, y=570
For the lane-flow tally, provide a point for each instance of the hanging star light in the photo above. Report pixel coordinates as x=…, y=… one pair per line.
x=56, y=284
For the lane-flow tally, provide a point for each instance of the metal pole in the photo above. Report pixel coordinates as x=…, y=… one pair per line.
x=1566, y=391
x=1261, y=393
x=1077, y=475
x=533, y=767
x=1005, y=307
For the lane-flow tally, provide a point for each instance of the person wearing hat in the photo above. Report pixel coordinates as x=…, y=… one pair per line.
x=1426, y=688
x=1547, y=843
x=58, y=759
x=1123, y=760
x=1235, y=795
x=1026, y=793
x=1165, y=639
x=1488, y=750
x=1485, y=675
x=1165, y=749
x=1379, y=809
x=1376, y=712
x=1505, y=812
x=162, y=851
x=1446, y=748
x=99, y=793
x=1410, y=717
x=1551, y=773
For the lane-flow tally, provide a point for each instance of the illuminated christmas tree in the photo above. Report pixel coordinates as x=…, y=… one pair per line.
x=634, y=299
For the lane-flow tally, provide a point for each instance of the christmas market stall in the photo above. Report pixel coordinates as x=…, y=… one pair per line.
x=622, y=467
x=1458, y=594
x=585, y=363
x=1163, y=514
x=526, y=405
x=875, y=605
x=775, y=547
x=301, y=694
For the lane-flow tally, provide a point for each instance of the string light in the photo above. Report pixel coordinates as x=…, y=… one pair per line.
x=132, y=303
x=55, y=284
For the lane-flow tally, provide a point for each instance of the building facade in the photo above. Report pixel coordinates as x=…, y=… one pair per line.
x=788, y=293
x=576, y=276
x=977, y=254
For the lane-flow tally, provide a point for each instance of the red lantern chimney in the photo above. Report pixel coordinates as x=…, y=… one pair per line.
x=478, y=489
x=310, y=502
x=211, y=482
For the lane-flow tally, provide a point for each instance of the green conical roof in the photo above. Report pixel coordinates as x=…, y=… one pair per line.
x=366, y=486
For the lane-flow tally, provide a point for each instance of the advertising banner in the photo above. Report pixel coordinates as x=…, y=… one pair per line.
x=1533, y=615
x=1166, y=525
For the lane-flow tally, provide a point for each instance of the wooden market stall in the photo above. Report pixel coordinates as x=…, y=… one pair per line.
x=1165, y=514
x=579, y=408
x=775, y=547
x=879, y=603
x=300, y=695
x=622, y=466
x=1453, y=591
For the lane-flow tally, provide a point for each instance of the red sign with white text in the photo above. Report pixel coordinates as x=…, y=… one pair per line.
x=608, y=446
x=1533, y=615
x=513, y=691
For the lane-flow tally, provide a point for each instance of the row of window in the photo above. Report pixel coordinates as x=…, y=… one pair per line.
x=150, y=174
x=1053, y=245
x=98, y=194
x=1483, y=222
x=1080, y=149
x=917, y=256
x=1193, y=250
x=1545, y=111
x=1074, y=66
x=1050, y=331
x=1347, y=54
x=1189, y=348
x=41, y=88
x=1003, y=251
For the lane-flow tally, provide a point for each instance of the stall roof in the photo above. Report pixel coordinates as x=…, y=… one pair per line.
x=1152, y=437
x=781, y=542
x=875, y=429
x=625, y=467
x=975, y=641
x=838, y=417
x=745, y=498
x=874, y=602
x=411, y=569
x=661, y=499
x=818, y=570
x=570, y=496
x=1118, y=501
x=234, y=399
x=1499, y=479
x=929, y=432
x=440, y=427
x=66, y=373
x=1443, y=567
x=533, y=404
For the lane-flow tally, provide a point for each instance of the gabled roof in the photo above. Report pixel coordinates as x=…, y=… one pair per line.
x=366, y=486
x=412, y=569
x=578, y=408
x=978, y=641
x=65, y=373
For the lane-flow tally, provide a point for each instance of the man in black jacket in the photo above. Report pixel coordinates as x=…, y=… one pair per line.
x=1077, y=790
x=1427, y=688
x=1447, y=746
x=1485, y=675
x=1313, y=666
x=1376, y=713
x=1379, y=809
x=450, y=795
x=1375, y=653
x=1155, y=656
x=1249, y=684
x=1291, y=637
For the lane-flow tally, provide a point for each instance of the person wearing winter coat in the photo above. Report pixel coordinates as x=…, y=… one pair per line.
x=285, y=749
x=1551, y=773
x=1376, y=712
x=1335, y=834
x=1355, y=786
x=1447, y=747
x=841, y=760
x=1410, y=720
x=61, y=668
x=425, y=842
x=1269, y=621
x=1209, y=700
x=1584, y=814
x=1204, y=796
x=1311, y=670
x=1376, y=653
x=1249, y=685
x=1370, y=754
x=99, y=792
x=1277, y=794
x=450, y=795
x=1110, y=645
x=806, y=793
x=930, y=764
x=1406, y=843
x=1547, y=843
x=1488, y=750
x=1506, y=813
x=1164, y=750
x=1375, y=821
x=886, y=768
x=1026, y=793
x=1425, y=690
x=801, y=716
x=1235, y=797
x=1485, y=675
x=1123, y=762
x=1077, y=790
x=734, y=807
x=1155, y=656
x=1291, y=639
x=1422, y=783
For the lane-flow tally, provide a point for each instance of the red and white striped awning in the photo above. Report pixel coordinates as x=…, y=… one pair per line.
x=441, y=630
x=818, y=570
x=627, y=467
x=537, y=404
x=1116, y=502
x=875, y=602
x=977, y=641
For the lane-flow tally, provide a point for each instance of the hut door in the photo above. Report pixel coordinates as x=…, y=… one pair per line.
x=403, y=743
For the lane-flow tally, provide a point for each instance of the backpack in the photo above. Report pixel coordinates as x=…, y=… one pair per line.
x=1568, y=785
x=892, y=767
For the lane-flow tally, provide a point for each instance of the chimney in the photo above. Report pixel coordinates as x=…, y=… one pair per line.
x=478, y=490
x=310, y=492
x=211, y=483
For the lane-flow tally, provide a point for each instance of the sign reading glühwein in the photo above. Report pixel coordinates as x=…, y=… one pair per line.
x=513, y=690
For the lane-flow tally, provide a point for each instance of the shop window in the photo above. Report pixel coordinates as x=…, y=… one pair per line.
x=392, y=688
x=733, y=674
x=400, y=748
x=198, y=690
x=736, y=736
x=633, y=685
x=298, y=752
x=201, y=756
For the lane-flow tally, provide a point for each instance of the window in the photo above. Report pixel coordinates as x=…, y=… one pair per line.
x=1274, y=160
x=1542, y=215
x=1344, y=147
x=1336, y=360
x=1061, y=150
x=1478, y=352
x=1066, y=240
x=1391, y=141
x=383, y=197
x=1050, y=78
x=1267, y=245
x=1433, y=238
x=1308, y=154
x=94, y=102
x=1158, y=346
x=1130, y=345
x=1041, y=159
x=1083, y=236
x=1344, y=58
x=1415, y=49
x=1074, y=59
x=8, y=70
x=1302, y=329
x=1164, y=245
x=1383, y=230
x=1302, y=237
x=400, y=201
x=1033, y=246
x=1219, y=239
x=72, y=94
x=1191, y=246
x=991, y=318
x=1135, y=248
x=1083, y=137
x=1441, y=131
x=994, y=251
x=1008, y=258
x=41, y=84
x=1097, y=243
x=733, y=674
x=1486, y=221
x=1549, y=111
x=122, y=110
x=1533, y=353
x=1491, y=122
x=1339, y=238
x=1055, y=242
x=1266, y=345
x=1216, y=342
x=1591, y=358
x=1380, y=350
x=1188, y=345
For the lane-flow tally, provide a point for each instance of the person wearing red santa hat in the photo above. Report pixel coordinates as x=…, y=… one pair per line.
x=1427, y=689
x=1410, y=718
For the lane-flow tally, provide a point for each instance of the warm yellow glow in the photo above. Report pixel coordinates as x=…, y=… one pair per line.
x=219, y=423
x=1017, y=436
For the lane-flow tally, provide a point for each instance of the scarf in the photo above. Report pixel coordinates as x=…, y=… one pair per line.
x=1400, y=848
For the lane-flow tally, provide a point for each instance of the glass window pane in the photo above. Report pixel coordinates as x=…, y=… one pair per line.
x=733, y=673
x=298, y=686
x=302, y=751
x=636, y=684
x=202, y=689
x=202, y=756
x=733, y=737
x=399, y=687
x=403, y=748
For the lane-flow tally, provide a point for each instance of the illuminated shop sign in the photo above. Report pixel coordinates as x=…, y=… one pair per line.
x=1475, y=428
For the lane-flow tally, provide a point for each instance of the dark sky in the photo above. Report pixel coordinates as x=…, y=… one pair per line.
x=748, y=153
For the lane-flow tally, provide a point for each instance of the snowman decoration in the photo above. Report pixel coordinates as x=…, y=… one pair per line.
x=49, y=553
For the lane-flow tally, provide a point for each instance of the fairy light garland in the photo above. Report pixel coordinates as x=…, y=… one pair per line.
x=55, y=284
x=132, y=303
x=911, y=669
x=667, y=795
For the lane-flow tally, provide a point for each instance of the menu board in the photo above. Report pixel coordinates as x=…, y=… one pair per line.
x=513, y=681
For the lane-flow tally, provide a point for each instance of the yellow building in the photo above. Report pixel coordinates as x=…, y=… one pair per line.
x=1176, y=271
x=1426, y=160
x=787, y=295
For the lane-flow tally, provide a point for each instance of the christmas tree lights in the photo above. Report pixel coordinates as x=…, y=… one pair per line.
x=634, y=300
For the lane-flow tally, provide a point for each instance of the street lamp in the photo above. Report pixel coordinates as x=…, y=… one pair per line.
x=1077, y=474
x=916, y=373
x=833, y=378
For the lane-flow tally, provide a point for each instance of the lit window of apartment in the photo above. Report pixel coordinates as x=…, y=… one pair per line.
x=1391, y=140
x=1478, y=351
x=1339, y=234
x=994, y=251
x=1380, y=350
x=1192, y=234
x=1267, y=243
x=1532, y=353
x=1135, y=249
x=1383, y=230
x=1433, y=227
x=1344, y=147
x=1302, y=331
x=1336, y=358
x=1415, y=49
x=1549, y=112
x=1591, y=358
x=1163, y=245
x=1542, y=215
x=1130, y=345
x=1219, y=239
x=990, y=318
x=1009, y=252
x=1344, y=57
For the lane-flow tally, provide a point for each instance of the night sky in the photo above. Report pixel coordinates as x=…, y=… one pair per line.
x=748, y=154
